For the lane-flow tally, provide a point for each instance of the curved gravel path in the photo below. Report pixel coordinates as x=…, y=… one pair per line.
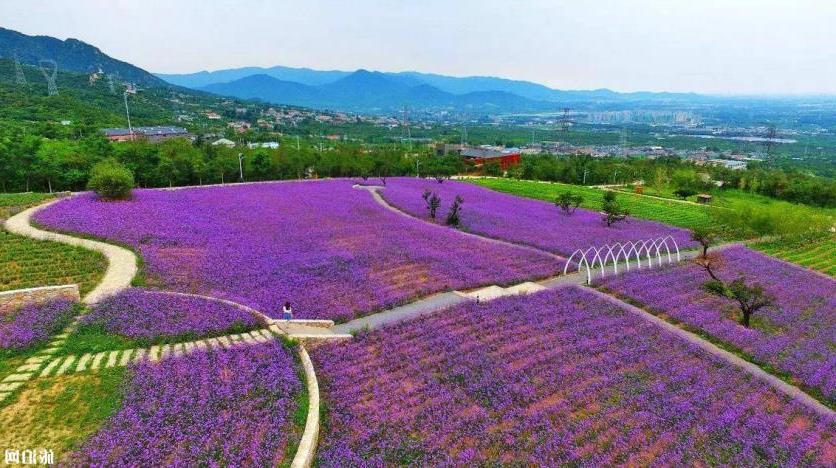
x=121, y=262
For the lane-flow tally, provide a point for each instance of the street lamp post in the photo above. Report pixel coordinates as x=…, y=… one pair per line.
x=241, y=167
x=417, y=162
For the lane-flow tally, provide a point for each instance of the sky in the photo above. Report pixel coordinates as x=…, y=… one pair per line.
x=705, y=46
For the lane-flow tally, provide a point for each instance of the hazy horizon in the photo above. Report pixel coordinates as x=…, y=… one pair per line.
x=738, y=47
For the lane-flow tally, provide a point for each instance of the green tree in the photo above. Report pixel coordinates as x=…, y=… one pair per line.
x=454, y=214
x=750, y=298
x=111, y=180
x=568, y=202
x=613, y=211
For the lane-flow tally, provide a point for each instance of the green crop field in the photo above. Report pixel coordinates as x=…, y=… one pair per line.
x=29, y=263
x=12, y=203
x=819, y=254
x=666, y=211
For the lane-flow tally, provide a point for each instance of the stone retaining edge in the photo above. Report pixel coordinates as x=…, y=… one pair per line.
x=307, y=445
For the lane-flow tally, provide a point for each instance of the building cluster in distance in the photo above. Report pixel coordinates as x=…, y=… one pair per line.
x=152, y=134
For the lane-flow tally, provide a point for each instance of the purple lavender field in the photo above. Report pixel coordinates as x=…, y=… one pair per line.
x=556, y=378
x=329, y=249
x=203, y=409
x=798, y=337
x=148, y=315
x=521, y=220
x=33, y=324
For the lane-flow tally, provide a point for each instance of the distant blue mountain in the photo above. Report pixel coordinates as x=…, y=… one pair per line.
x=365, y=90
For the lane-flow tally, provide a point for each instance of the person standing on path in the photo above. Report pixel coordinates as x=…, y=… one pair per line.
x=287, y=311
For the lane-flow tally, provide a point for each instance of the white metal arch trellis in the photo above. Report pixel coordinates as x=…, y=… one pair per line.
x=601, y=256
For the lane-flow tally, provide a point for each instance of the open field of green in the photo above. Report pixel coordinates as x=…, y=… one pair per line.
x=12, y=203
x=29, y=263
x=817, y=254
x=670, y=212
x=60, y=413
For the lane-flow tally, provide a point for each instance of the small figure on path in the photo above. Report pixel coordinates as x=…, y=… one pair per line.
x=287, y=311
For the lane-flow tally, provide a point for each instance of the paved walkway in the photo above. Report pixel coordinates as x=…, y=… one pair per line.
x=122, y=263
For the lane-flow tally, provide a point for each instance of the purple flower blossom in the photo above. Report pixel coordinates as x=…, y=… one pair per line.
x=228, y=408
x=561, y=377
x=330, y=250
x=33, y=324
x=797, y=337
x=142, y=314
x=521, y=220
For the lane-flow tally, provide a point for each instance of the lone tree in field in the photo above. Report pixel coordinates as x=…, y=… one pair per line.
x=711, y=262
x=433, y=201
x=453, y=216
x=613, y=212
x=111, y=180
x=568, y=202
x=705, y=236
x=750, y=299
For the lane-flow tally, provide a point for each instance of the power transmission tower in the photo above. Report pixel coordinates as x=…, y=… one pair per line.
x=406, y=133
x=51, y=87
x=20, y=77
x=565, y=122
x=769, y=141
x=622, y=142
x=110, y=84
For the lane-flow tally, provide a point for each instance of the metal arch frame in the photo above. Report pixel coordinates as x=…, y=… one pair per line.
x=603, y=254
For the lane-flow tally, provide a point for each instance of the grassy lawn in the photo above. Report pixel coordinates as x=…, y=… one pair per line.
x=29, y=263
x=12, y=203
x=818, y=254
x=668, y=212
x=60, y=413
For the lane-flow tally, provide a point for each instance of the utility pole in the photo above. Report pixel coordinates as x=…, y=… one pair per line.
x=128, y=114
x=585, y=172
x=297, y=142
x=241, y=167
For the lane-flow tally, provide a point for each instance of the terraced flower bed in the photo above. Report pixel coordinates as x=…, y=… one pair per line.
x=530, y=222
x=33, y=324
x=330, y=250
x=203, y=409
x=797, y=337
x=149, y=317
x=553, y=379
